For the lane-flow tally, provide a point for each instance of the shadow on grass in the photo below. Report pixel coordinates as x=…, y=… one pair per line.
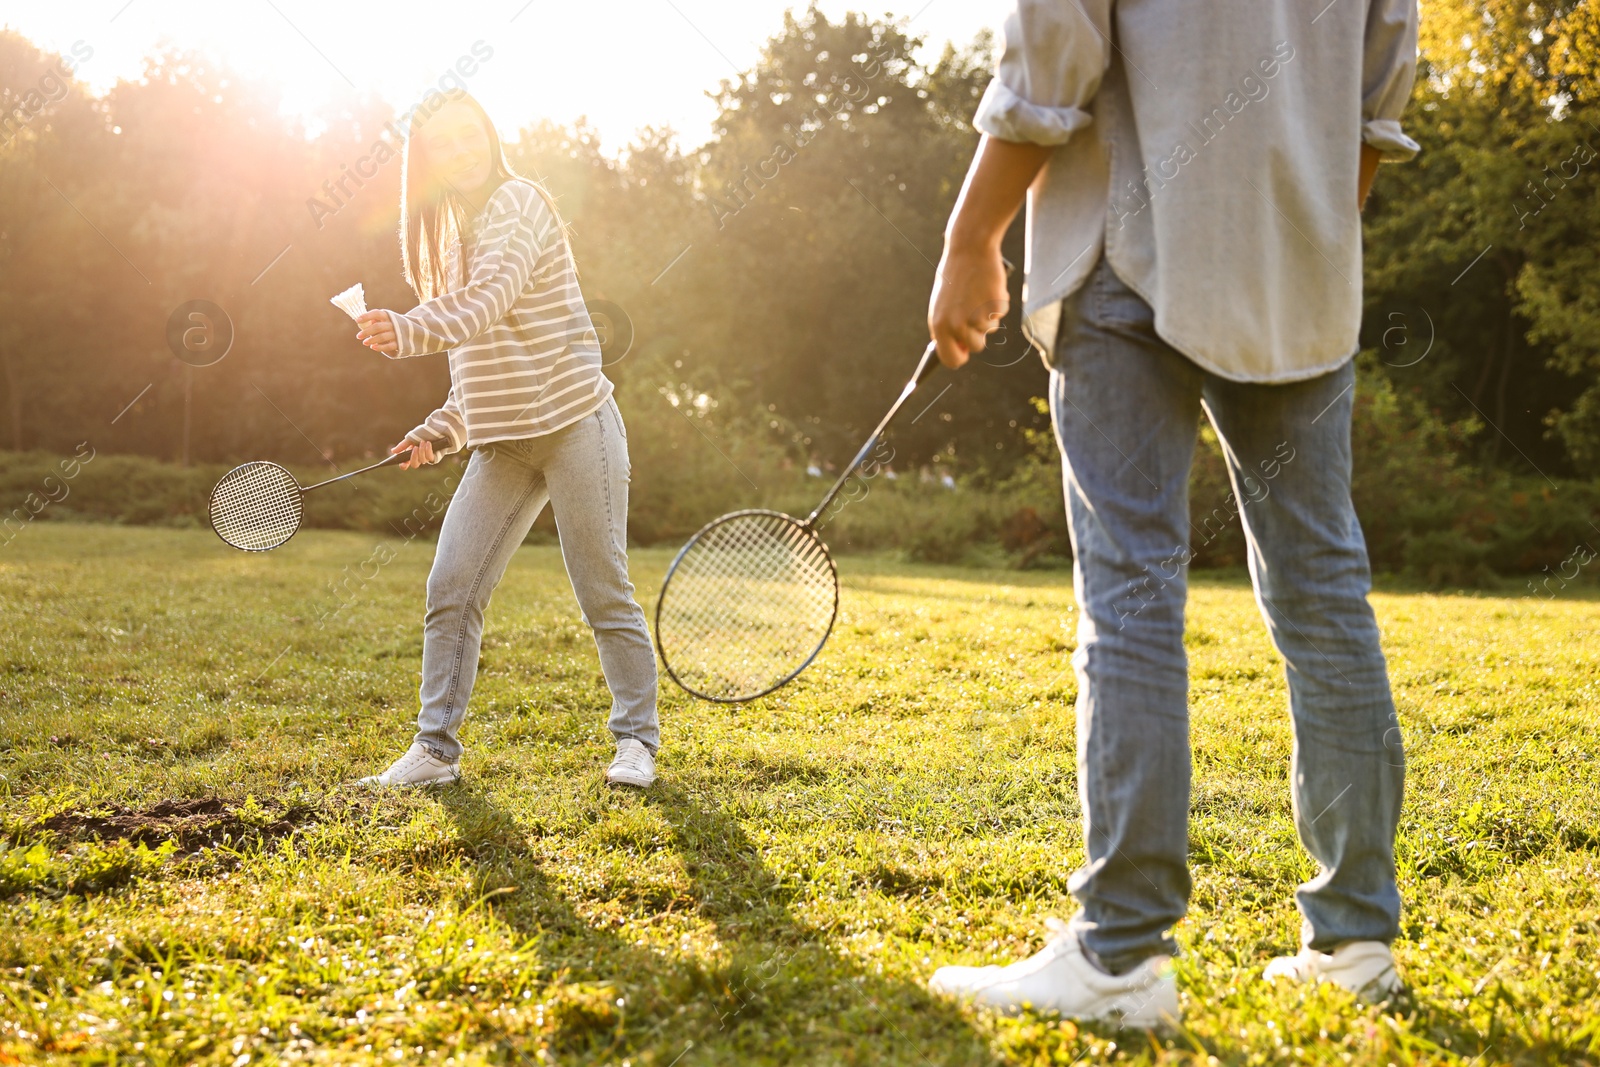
x=780, y=991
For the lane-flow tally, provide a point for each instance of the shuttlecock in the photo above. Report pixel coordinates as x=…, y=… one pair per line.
x=352, y=301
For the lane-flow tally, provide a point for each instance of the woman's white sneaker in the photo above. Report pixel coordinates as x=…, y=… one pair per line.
x=1059, y=978
x=1366, y=968
x=633, y=765
x=416, y=767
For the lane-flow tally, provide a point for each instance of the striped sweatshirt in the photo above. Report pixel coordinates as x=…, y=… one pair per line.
x=524, y=357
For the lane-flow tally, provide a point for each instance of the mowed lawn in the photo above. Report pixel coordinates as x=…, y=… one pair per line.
x=784, y=891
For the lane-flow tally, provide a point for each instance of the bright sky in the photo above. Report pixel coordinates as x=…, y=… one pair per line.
x=623, y=63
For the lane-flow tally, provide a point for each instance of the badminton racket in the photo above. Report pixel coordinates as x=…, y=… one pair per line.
x=750, y=600
x=258, y=506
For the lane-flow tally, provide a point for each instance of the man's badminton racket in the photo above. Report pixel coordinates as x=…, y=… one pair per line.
x=751, y=599
x=258, y=506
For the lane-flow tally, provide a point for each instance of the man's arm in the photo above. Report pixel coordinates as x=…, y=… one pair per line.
x=1370, y=157
x=1388, y=70
x=1049, y=71
x=969, y=293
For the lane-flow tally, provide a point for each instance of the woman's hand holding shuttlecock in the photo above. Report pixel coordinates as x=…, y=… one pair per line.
x=377, y=332
x=377, y=329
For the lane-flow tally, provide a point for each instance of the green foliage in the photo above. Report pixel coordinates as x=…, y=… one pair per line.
x=1428, y=515
x=1411, y=493
x=808, y=301
x=783, y=266
x=1481, y=277
x=1425, y=512
x=779, y=274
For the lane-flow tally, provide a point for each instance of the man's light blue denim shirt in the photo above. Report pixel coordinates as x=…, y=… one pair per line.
x=1211, y=150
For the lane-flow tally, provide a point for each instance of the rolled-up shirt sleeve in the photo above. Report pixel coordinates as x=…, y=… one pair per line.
x=1389, y=66
x=1055, y=53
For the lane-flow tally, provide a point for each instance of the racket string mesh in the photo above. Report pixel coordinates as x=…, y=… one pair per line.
x=256, y=506
x=747, y=605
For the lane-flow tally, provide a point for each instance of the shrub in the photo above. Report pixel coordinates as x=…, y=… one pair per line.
x=1424, y=512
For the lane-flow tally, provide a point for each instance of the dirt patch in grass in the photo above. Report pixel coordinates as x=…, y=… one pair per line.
x=191, y=824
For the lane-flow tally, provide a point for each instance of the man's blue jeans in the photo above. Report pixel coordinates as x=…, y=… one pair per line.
x=1126, y=408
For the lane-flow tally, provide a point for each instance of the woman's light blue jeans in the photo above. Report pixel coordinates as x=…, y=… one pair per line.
x=1126, y=407
x=582, y=471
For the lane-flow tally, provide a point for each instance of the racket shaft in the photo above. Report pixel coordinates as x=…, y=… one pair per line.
x=925, y=367
x=363, y=470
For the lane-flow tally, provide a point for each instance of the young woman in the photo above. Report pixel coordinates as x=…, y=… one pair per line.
x=487, y=254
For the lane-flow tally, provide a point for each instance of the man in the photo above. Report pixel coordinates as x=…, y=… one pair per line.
x=1195, y=174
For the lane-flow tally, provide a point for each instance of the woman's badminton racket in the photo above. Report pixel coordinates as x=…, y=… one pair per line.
x=751, y=599
x=258, y=506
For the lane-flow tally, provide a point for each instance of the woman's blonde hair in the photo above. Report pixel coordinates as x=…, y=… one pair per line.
x=432, y=213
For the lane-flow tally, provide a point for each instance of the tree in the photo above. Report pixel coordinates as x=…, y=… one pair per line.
x=1469, y=248
x=825, y=191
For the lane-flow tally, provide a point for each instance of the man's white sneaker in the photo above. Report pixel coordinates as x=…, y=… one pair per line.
x=1366, y=968
x=416, y=767
x=633, y=764
x=1060, y=978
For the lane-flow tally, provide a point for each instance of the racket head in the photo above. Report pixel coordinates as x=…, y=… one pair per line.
x=256, y=506
x=746, y=605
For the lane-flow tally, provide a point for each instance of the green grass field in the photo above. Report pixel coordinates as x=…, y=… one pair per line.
x=187, y=876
